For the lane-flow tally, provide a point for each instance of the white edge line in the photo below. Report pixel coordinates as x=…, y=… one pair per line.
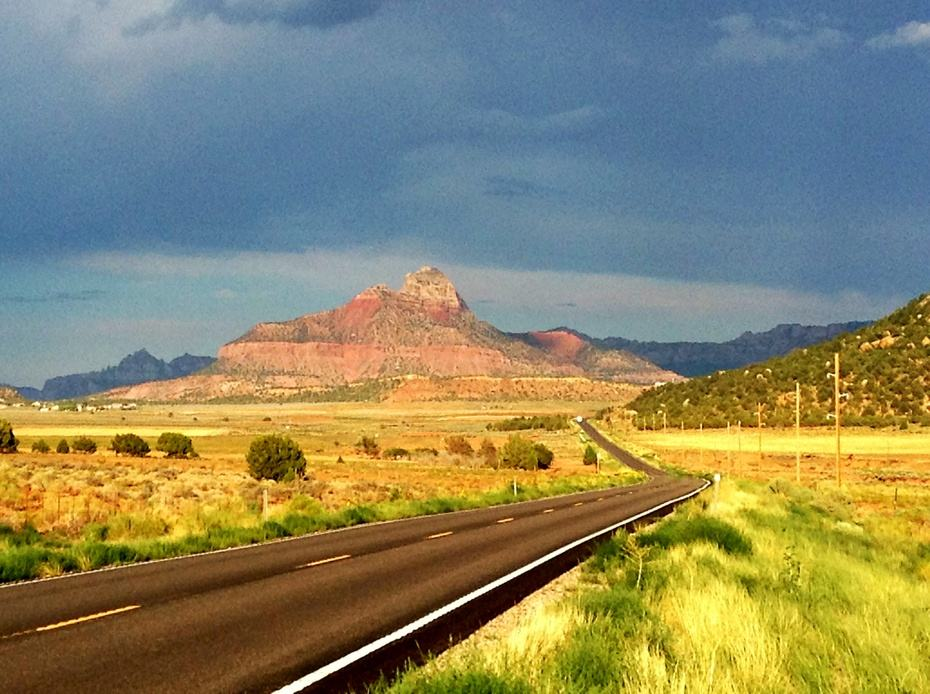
x=354, y=656
x=263, y=543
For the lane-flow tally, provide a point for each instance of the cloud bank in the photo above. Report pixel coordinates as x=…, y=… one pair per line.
x=908, y=35
x=322, y=14
x=615, y=304
x=748, y=40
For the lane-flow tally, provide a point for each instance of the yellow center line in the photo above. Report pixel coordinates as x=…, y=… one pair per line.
x=329, y=560
x=505, y=520
x=88, y=618
x=579, y=503
x=549, y=510
x=600, y=498
x=445, y=534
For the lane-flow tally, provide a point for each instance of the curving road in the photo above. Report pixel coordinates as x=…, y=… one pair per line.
x=305, y=611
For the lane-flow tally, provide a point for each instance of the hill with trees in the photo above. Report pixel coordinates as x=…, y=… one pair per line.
x=9, y=395
x=885, y=376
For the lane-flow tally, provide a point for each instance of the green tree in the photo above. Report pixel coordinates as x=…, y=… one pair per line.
x=458, y=445
x=488, y=452
x=544, y=456
x=40, y=446
x=63, y=447
x=129, y=444
x=368, y=445
x=519, y=453
x=175, y=445
x=590, y=455
x=275, y=457
x=83, y=444
x=396, y=453
x=8, y=442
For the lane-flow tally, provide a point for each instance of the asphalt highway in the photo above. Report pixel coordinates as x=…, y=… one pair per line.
x=259, y=618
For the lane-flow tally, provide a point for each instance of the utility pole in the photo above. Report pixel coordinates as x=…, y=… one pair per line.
x=797, y=432
x=836, y=413
x=729, y=455
x=664, y=422
x=739, y=443
x=701, y=443
x=759, y=423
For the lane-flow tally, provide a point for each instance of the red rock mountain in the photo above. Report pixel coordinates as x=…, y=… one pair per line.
x=424, y=329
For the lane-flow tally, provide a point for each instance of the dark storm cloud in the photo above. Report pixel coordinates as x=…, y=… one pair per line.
x=322, y=14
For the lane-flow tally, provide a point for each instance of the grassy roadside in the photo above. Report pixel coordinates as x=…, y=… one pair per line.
x=127, y=538
x=768, y=587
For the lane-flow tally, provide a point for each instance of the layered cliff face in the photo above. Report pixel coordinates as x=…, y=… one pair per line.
x=426, y=329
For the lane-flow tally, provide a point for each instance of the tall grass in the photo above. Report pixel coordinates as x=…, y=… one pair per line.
x=126, y=538
x=772, y=588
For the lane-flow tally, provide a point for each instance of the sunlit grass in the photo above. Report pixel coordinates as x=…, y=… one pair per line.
x=772, y=588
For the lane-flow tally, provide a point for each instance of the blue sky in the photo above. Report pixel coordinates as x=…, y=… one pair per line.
x=173, y=171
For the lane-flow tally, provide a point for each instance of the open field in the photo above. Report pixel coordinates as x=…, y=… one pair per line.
x=757, y=587
x=885, y=474
x=867, y=455
x=76, y=498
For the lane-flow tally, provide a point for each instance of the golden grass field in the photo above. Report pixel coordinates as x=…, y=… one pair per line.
x=865, y=454
x=66, y=492
x=885, y=473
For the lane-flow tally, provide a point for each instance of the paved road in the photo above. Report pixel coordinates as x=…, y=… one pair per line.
x=258, y=618
x=623, y=456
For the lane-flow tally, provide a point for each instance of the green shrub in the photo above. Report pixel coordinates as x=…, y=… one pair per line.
x=543, y=456
x=368, y=445
x=175, y=445
x=590, y=455
x=551, y=422
x=129, y=444
x=63, y=447
x=275, y=457
x=8, y=442
x=458, y=445
x=396, y=453
x=488, y=452
x=41, y=446
x=82, y=444
x=519, y=453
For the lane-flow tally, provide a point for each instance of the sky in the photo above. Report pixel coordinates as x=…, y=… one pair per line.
x=174, y=171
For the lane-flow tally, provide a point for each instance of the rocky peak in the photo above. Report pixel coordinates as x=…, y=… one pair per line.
x=376, y=290
x=429, y=285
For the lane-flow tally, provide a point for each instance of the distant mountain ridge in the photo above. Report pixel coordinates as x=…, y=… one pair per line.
x=138, y=367
x=885, y=379
x=702, y=358
x=423, y=329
